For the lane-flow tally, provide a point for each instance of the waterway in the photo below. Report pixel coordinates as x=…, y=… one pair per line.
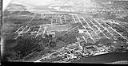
x=105, y=58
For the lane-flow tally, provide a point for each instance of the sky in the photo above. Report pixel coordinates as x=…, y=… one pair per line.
x=35, y=2
x=46, y=2
x=5, y=3
x=87, y=3
x=32, y=2
x=43, y=2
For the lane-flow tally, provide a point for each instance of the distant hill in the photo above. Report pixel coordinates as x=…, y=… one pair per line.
x=16, y=7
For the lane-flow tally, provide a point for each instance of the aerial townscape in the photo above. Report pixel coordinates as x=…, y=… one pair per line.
x=64, y=31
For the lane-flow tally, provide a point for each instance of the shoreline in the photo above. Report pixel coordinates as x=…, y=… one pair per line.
x=104, y=58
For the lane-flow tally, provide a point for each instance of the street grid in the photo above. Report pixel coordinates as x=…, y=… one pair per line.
x=95, y=28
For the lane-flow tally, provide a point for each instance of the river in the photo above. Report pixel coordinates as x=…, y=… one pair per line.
x=105, y=58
